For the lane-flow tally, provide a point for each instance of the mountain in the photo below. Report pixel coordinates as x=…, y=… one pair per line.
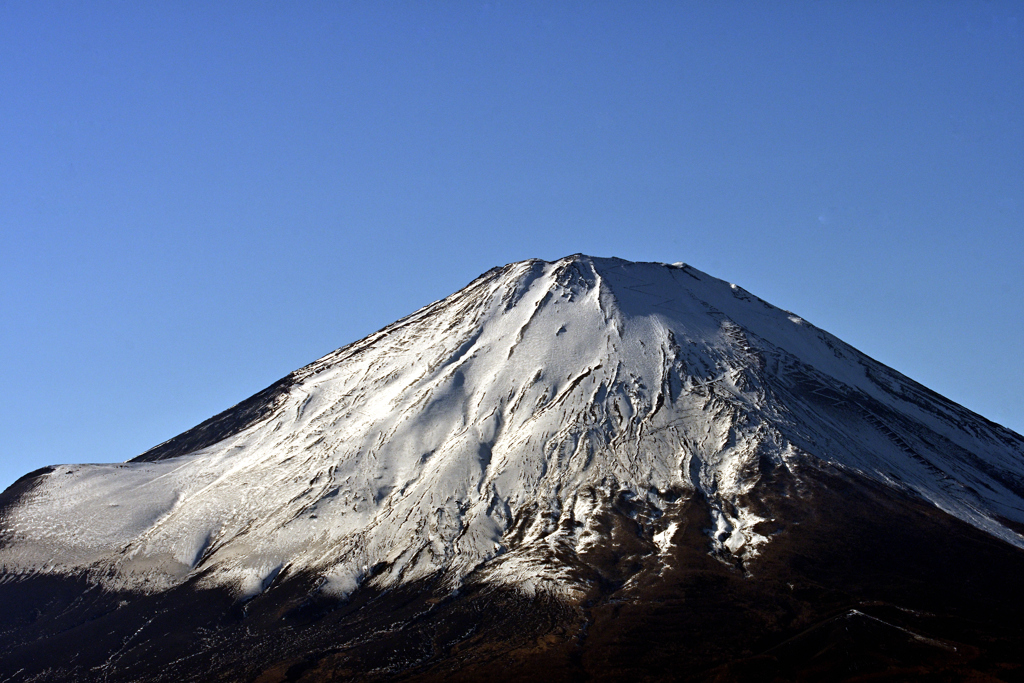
x=582, y=469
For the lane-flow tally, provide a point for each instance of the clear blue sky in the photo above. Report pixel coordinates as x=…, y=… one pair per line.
x=197, y=198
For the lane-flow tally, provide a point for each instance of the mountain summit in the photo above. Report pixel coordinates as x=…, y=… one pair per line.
x=563, y=435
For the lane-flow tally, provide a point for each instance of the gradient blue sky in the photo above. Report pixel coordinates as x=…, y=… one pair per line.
x=197, y=198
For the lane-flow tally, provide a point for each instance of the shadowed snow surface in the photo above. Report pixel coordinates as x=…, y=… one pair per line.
x=490, y=429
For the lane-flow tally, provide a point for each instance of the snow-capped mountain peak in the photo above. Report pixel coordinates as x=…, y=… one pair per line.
x=491, y=431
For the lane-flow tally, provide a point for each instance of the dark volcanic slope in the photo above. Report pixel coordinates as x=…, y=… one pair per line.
x=232, y=421
x=843, y=594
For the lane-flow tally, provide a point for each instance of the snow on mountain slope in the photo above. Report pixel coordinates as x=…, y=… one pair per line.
x=489, y=430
